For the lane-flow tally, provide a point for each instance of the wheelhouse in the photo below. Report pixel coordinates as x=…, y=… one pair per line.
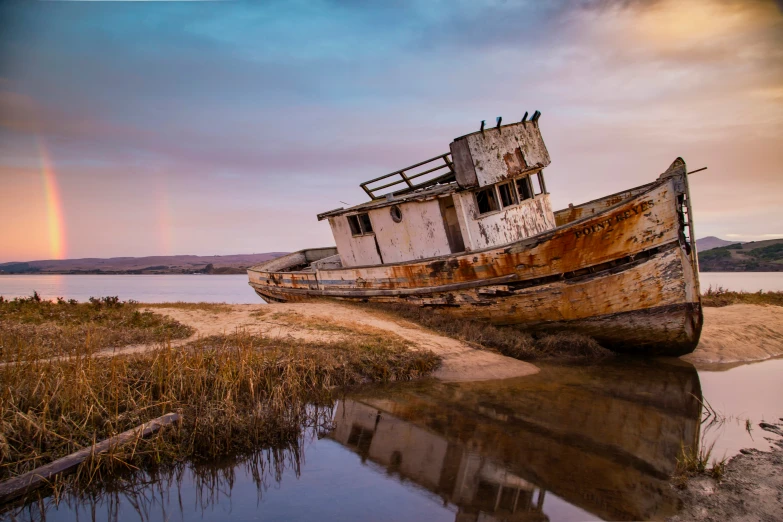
x=489, y=190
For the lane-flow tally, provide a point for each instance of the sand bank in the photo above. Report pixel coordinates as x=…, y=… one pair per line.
x=738, y=334
x=732, y=335
x=332, y=320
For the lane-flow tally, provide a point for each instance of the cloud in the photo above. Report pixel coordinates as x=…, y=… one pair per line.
x=287, y=106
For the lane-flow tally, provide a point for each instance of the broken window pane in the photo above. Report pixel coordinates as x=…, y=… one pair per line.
x=536, y=181
x=356, y=229
x=507, y=195
x=523, y=186
x=487, y=200
x=364, y=219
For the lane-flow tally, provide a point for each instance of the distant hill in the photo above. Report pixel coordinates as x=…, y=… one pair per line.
x=710, y=242
x=231, y=264
x=754, y=256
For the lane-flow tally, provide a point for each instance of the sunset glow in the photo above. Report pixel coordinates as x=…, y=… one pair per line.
x=229, y=132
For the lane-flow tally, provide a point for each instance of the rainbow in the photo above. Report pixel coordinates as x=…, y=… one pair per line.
x=54, y=212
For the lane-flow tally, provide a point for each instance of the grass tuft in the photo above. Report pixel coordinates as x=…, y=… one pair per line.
x=181, y=305
x=693, y=461
x=719, y=296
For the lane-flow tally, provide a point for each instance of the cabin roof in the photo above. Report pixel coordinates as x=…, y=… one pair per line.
x=422, y=194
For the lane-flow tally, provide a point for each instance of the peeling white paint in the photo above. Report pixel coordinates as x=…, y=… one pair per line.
x=528, y=218
x=421, y=234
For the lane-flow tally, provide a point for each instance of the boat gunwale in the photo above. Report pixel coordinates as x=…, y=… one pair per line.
x=637, y=259
x=646, y=186
x=526, y=242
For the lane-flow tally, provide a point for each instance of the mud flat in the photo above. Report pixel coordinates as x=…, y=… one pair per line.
x=751, y=489
x=738, y=334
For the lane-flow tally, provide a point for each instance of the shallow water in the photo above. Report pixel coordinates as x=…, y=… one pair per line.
x=570, y=443
x=234, y=288
x=742, y=281
x=143, y=288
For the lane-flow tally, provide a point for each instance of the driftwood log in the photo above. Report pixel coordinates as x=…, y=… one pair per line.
x=30, y=481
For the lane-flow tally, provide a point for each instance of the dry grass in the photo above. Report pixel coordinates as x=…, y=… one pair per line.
x=236, y=393
x=316, y=324
x=693, y=461
x=32, y=328
x=508, y=341
x=181, y=305
x=721, y=297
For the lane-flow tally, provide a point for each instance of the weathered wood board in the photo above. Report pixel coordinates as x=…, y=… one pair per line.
x=23, y=484
x=496, y=154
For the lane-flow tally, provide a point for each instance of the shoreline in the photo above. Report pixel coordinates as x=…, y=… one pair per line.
x=751, y=488
x=461, y=362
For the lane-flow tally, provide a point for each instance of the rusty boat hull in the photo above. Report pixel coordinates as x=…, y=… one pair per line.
x=622, y=269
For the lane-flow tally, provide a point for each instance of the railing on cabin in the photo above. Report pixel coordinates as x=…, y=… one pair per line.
x=406, y=177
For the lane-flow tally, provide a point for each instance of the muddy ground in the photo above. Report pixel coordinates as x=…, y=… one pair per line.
x=750, y=490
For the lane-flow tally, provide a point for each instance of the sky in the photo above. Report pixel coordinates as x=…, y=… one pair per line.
x=164, y=128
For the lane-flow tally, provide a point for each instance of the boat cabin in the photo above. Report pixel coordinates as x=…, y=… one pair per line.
x=489, y=190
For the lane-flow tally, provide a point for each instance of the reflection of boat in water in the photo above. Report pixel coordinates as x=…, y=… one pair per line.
x=603, y=439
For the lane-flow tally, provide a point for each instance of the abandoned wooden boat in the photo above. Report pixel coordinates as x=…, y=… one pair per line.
x=472, y=234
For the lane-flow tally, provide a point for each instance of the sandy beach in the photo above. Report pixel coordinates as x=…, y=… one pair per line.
x=325, y=320
x=732, y=335
x=738, y=334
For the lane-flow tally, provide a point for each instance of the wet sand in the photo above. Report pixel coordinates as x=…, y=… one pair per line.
x=738, y=334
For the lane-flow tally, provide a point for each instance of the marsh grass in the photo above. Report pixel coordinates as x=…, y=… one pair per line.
x=719, y=296
x=508, y=341
x=317, y=324
x=692, y=461
x=181, y=305
x=32, y=328
x=236, y=393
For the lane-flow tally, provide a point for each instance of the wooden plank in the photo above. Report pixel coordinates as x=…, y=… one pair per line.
x=23, y=484
x=464, y=171
x=590, y=208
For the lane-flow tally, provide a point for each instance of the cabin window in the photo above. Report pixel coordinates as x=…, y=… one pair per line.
x=486, y=200
x=356, y=229
x=535, y=179
x=364, y=220
x=507, y=195
x=524, y=188
x=360, y=224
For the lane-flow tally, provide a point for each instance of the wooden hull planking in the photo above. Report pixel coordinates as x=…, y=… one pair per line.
x=624, y=274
